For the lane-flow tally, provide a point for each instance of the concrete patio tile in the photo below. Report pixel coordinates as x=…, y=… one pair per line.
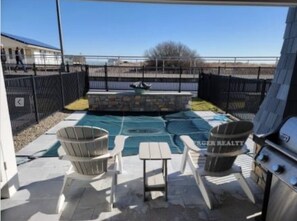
x=91, y=198
x=175, y=212
x=175, y=199
x=39, y=195
x=44, y=217
x=41, y=181
x=42, y=169
x=72, y=199
x=47, y=189
x=132, y=214
x=83, y=214
x=29, y=175
x=29, y=208
x=41, y=144
x=100, y=212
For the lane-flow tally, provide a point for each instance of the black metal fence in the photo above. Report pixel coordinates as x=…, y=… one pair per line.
x=242, y=72
x=32, y=98
x=166, y=78
x=240, y=97
x=120, y=77
x=42, y=90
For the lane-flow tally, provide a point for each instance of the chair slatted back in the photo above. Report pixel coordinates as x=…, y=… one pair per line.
x=226, y=138
x=82, y=141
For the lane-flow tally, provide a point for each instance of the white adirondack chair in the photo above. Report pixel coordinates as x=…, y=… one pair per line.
x=87, y=150
x=217, y=160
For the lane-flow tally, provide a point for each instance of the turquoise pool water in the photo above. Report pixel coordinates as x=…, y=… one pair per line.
x=166, y=128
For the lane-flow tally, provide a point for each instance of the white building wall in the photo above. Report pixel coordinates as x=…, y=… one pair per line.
x=42, y=56
x=32, y=53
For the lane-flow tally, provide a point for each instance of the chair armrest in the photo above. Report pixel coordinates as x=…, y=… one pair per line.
x=114, y=152
x=188, y=142
x=119, y=145
x=85, y=159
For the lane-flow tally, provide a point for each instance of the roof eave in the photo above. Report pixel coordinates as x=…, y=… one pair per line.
x=39, y=47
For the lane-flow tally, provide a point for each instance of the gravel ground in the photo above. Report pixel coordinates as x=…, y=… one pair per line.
x=34, y=131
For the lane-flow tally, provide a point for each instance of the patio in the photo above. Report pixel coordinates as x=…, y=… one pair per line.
x=41, y=181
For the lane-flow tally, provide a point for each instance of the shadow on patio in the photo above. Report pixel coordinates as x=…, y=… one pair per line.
x=36, y=200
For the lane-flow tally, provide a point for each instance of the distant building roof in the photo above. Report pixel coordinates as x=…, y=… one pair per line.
x=28, y=41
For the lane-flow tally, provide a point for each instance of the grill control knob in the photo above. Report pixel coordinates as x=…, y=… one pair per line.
x=263, y=157
x=278, y=168
x=293, y=181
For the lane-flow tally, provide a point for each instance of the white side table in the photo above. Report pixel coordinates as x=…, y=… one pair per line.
x=155, y=151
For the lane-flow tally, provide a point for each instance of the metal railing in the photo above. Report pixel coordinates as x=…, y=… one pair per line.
x=44, y=59
x=139, y=60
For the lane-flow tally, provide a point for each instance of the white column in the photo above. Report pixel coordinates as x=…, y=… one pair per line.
x=9, y=174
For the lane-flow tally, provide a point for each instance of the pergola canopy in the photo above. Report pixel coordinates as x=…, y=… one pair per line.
x=213, y=2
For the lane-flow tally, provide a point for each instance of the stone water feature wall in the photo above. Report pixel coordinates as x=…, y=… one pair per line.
x=132, y=102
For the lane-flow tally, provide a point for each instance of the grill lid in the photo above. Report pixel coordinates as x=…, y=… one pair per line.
x=288, y=134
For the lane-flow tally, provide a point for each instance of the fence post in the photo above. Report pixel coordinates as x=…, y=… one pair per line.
x=77, y=81
x=67, y=67
x=259, y=72
x=87, y=80
x=35, y=99
x=62, y=88
x=209, y=82
x=143, y=73
x=180, y=78
x=106, y=77
x=34, y=69
x=199, y=82
x=258, y=77
x=263, y=90
x=228, y=94
x=219, y=70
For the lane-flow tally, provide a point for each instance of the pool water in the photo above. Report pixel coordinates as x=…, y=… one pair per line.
x=166, y=128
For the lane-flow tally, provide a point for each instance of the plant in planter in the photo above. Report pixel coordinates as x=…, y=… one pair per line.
x=140, y=87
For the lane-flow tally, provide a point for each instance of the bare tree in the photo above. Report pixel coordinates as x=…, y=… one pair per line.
x=173, y=55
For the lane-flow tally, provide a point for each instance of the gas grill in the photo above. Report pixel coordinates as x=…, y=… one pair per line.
x=278, y=156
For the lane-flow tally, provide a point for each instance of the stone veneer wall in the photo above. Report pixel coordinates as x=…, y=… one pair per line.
x=258, y=174
x=131, y=102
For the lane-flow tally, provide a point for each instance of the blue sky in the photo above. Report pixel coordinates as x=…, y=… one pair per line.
x=100, y=28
